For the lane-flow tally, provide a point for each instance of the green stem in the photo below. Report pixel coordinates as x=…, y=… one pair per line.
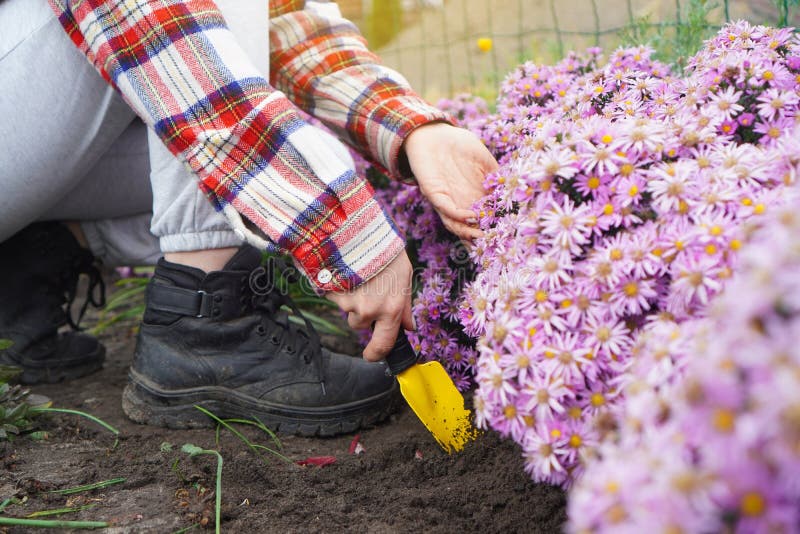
x=5, y=503
x=194, y=450
x=51, y=523
x=60, y=511
x=42, y=409
x=88, y=487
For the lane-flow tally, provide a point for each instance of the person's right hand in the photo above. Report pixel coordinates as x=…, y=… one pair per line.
x=383, y=303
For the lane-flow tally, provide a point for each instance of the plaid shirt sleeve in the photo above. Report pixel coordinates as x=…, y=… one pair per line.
x=322, y=63
x=178, y=66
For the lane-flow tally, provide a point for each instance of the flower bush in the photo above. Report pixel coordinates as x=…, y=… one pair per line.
x=623, y=198
x=619, y=202
x=709, y=433
x=619, y=205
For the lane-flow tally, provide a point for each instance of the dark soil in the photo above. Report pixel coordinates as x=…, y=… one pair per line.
x=401, y=482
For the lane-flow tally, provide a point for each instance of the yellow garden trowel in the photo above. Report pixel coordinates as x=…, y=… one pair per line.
x=430, y=392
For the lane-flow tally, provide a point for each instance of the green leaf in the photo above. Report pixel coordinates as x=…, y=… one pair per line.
x=5, y=343
x=322, y=326
x=9, y=372
x=191, y=450
x=122, y=298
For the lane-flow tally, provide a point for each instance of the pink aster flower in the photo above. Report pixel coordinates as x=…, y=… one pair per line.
x=726, y=102
x=567, y=225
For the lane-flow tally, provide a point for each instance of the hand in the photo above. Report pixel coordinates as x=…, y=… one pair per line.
x=383, y=301
x=450, y=165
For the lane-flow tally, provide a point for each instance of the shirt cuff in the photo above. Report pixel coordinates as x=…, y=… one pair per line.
x=353, y=253
x=392, y=121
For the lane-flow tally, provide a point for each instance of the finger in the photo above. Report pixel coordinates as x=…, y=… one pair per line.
x=383, y=337
x=446, y=207
x=489, y=163
x=462, y=230
x=358, y=322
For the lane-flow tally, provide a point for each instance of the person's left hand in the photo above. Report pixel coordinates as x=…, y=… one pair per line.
x=450, y=165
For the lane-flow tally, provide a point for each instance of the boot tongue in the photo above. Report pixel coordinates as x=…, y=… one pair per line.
x=246, y=258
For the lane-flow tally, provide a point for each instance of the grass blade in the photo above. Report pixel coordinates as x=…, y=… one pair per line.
x=49, y=523
x=59, y=511
x=123, y=297
x=194, y=450
x=187, y=529
x=261, y=426
x=5, y=503
x=89, y=487
x=43, y=409
x=242, y=437
x=315, y=301
x=323, y=326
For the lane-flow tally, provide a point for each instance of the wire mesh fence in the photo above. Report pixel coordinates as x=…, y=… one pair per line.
x=447, y=46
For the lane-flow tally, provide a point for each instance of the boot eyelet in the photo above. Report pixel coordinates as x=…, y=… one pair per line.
x=214, y=312
x=290, y=349
x=260, y=330
x=274, y=340
x=218, y=298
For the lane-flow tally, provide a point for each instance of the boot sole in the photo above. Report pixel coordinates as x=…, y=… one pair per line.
x=33, y=374
x=148, y=404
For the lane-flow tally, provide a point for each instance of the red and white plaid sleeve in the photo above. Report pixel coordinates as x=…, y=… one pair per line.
x=322, y=63
x=179, y=67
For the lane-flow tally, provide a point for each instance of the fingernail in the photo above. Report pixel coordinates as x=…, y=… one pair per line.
x=472, y=220
x=414, y=322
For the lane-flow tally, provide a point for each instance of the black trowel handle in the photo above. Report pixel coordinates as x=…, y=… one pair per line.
x=402, y=356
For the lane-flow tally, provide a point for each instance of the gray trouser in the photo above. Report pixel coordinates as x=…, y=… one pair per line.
x=73, y=150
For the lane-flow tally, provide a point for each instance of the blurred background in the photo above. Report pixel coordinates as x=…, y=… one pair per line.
x=448, y=46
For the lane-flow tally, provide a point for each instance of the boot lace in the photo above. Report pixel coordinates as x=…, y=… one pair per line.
x=269, y=298
x=95, y=293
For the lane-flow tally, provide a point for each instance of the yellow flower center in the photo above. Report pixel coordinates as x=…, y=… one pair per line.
x=510, y=411
x=603, y=333
x=752, y=504
x=724, y=420
x=593, y=182
x=631, y=289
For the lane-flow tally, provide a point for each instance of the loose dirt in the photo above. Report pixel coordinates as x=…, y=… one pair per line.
x=401, y=482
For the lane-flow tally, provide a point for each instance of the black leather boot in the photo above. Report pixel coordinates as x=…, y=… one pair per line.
x=221, y=341
x=39, y=270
